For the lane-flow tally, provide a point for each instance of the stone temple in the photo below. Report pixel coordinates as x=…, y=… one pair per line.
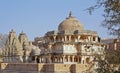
x=70, y=44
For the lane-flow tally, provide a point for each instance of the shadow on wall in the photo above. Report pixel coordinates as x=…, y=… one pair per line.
x=46, y=68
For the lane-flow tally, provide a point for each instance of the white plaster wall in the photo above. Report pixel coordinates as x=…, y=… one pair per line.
x=93, y=49
x=69, y=49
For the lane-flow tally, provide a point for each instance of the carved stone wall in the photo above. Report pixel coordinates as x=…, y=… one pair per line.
x=19, y=49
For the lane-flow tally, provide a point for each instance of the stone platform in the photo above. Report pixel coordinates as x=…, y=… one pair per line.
x=42, y=68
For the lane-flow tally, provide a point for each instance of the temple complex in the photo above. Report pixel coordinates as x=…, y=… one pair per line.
x=69, y=49
x=70, y=44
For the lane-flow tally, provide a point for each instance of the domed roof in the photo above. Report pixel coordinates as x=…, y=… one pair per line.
x=70, y=23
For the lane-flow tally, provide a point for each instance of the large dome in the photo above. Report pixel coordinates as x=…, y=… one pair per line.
x=70, y=23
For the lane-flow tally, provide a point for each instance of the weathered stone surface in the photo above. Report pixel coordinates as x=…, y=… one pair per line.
x=42, y=68
x=13, y=47
x=19, y=49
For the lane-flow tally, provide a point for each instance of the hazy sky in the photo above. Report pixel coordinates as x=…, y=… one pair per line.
x=36, y=17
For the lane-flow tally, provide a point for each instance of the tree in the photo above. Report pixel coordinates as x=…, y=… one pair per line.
x=113, y=56
x=3, y=39
x=111, y=16
x=103, y=66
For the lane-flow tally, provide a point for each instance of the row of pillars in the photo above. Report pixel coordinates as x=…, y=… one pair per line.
x=58, y=59
x=72, y=38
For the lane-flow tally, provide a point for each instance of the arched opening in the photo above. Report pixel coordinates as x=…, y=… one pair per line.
x=70, y=58
x=57, y=38
x=37, y=60
x=33, y=58
x=52, y=59
x=94, y=38
x=87, y=60
x=83, y=38
x=75, y=59
x=72, y=38
x=79, y=59
x=45, y=60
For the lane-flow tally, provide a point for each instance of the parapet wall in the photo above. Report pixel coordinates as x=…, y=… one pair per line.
x=42, y=68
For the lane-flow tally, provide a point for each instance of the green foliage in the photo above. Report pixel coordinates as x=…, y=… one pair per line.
x=113, y=56
x=3, y=38
x=103, y=67
x=111, y=15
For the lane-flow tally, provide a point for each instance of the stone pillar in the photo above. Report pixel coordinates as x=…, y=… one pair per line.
x=69, y=37
x=54, y=37
x=65, y=38
x=82, y=59
x=89, y=38
x=63, y=58
x=35, y=59
x=58, y=59
x=73, y=59
x=115, y=46
x=68, y=58
x=96, y=39
x=78, y=38
x=39, y=60
x=62, y=39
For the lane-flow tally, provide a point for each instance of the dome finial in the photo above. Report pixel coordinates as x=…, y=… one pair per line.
x=12, y=30
x=70, y=14
x=22, y=31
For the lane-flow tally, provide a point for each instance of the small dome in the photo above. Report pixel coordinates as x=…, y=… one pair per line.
x=71, y=23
